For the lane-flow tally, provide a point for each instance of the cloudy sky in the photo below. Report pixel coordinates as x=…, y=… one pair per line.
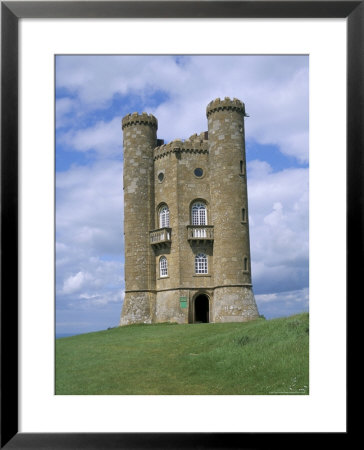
x=93, y=93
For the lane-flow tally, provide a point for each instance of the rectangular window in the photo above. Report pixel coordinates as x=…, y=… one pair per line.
x=201, y=264
x=199, y=216
x=195, y=220
x=163, y=268
x=243, y=218
x=202, y=217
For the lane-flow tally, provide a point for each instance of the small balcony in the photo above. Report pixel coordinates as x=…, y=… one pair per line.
x=160, y=237
x=204, y=233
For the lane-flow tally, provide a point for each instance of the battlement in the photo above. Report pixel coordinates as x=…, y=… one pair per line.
x=199, y=137
x=179, y=146
x=139, y=119
x=225, y=105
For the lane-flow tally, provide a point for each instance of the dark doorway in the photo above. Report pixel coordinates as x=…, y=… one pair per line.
x=202, y=309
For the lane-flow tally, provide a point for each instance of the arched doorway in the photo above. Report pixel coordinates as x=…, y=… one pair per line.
x=202, y=310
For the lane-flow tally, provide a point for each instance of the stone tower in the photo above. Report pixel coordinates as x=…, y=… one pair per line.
x=140, y=138
x=186, y=223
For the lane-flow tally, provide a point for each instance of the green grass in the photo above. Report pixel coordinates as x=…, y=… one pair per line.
x=260, y=357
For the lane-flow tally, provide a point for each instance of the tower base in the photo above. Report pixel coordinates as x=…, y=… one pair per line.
x=138, y=307
x=234, y=304
x=228, y=304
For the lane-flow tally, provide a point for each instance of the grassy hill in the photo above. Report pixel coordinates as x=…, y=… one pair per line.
x=260, y=357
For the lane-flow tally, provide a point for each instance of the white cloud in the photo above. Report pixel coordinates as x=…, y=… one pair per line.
x=89, y=229
x=89, y=207
x=76, y=282
x=102, y=299
x=274, y=89
x=276, y=216
x=278, y=212
x=300, y=296
x=97, y=283
x=283, y=303
x=64, y=107
x=103, y=137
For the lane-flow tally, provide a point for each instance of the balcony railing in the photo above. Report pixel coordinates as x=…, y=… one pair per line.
x=200, y=232
x=160, y=237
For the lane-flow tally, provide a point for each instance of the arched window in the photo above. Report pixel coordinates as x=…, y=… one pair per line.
x=201, y=263
x=199, y=214
x=163, y=267
x=164, y=217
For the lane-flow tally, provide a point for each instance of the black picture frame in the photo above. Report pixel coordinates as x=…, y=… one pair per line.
x=11, y=12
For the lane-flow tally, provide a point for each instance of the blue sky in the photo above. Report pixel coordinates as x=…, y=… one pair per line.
x=93, y=93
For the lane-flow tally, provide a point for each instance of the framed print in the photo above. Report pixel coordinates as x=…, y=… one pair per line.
x=35, y=38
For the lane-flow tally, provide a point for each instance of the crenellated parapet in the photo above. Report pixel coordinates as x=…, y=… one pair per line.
x=139, y=119
x=225, y=105
x=199, y=137
x=179, y=146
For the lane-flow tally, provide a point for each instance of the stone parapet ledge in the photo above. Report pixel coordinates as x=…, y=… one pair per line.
x=225, y=105
x=178, y=146
x=199, y=137
x=139, y=119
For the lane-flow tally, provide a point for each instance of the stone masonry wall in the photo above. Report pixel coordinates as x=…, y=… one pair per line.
x=165, y=175
x=229, y=204
x=140, y=138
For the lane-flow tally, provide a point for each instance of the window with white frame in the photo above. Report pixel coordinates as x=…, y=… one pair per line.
x=201, y=263
x=199, y=214
x=163, y=267
x=164, y=217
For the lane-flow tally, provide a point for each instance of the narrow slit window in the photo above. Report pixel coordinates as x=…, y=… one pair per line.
x=245, y=263
x=243, y=215
x=241, y=167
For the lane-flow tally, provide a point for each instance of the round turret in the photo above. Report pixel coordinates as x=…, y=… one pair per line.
x=225, y=105
x=140, y=139
x=233, y=294
x=139, y=119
